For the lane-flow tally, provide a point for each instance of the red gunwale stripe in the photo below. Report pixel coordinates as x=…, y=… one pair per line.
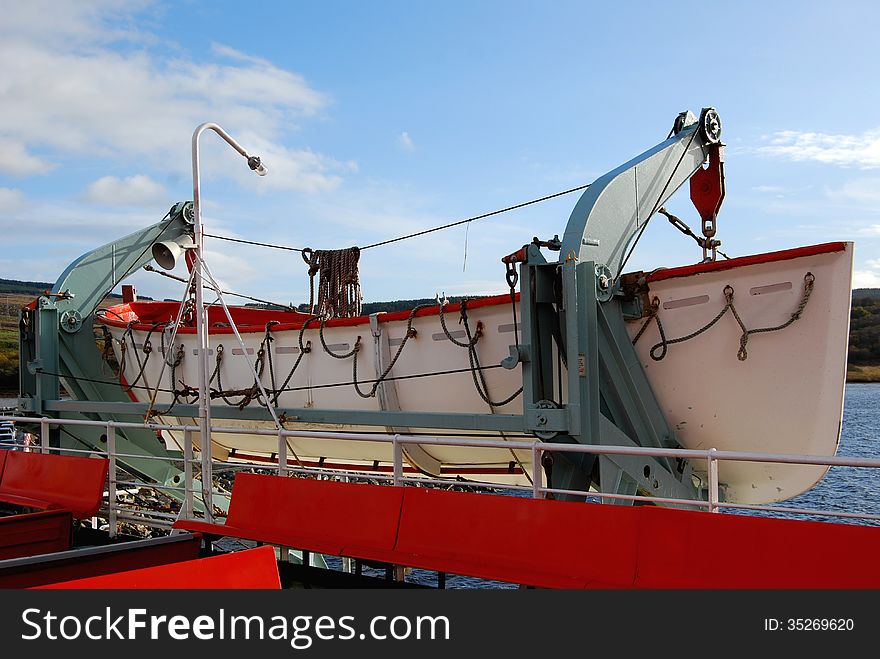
x=254, y=320
x=769, y=257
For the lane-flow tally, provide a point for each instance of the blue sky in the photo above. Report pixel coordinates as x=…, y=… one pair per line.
x=379, y=119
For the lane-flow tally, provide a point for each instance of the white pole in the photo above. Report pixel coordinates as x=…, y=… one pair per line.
x=397, y=451
x=713, y=482
x=187, y=474
x=201, y=311
x=112, y=505
x=537, y=473
x=44, y=435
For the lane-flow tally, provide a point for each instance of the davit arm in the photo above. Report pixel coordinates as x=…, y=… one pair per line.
x=614, y=210
x=57, y=340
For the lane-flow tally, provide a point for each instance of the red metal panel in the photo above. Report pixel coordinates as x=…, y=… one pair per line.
x=247, y=569
x=536, y=542
x=80, y=564
x=32, y=534
x=323, y=516
x=3, y=454
x=54, y=481
x=770, y=257
x=686, y=549
x=549, y=543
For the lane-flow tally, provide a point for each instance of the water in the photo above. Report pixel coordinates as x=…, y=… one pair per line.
x=843, y=489
x=850, y=489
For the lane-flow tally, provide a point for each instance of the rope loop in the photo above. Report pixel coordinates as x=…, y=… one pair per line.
x=659, y=350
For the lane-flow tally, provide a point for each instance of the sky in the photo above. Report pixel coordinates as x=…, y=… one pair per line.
x=380, y=119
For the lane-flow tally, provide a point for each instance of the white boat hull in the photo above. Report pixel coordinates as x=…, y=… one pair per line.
x=786, y=397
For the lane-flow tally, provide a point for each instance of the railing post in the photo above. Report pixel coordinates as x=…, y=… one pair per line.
x=537, y=472
x=398, y=460
x=283, y=552
x=44, y=435
x=187, y=474
x=111, y=480
x=282, y=453
x=713, y=482
x=207, y=474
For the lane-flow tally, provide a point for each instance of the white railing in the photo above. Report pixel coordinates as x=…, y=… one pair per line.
x=116, y=511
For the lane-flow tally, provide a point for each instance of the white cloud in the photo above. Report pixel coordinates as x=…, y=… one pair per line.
x=78, y=80
x=10, y=199
x=136, y=190
x=769, y=189
x=865, y=191
x=861, y=151
x=290, y=169
x=81, y=23
x=15, y=160
x=405, y=141
x=866, y=279
x=869, y=277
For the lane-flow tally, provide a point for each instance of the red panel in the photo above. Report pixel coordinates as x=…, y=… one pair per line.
x=3, y=454
x=248, y=569
x=549, y=543
x=536, y=542
x=122, y=557
x=129, y=294
x=32, y=534
x=323, y=516
x=770, y=257
x=686, y=549
x=55, y=481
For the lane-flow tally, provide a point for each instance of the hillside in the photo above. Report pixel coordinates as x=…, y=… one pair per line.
x=864, y=347
x=864, y=336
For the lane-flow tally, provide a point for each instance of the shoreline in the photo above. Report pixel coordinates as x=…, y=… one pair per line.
x=863, y=373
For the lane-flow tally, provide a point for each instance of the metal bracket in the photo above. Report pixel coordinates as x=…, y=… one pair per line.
x=518, y=355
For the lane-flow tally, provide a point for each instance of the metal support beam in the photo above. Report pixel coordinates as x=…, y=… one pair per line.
x=617, y=206
x=456, y=421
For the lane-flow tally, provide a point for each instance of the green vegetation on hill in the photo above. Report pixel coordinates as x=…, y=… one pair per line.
x=864, y=328
x=24, y=287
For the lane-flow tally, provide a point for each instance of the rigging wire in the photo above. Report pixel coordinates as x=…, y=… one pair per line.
x=150, y=268
x=477, y=217
x=328, y=385
x=417, y=233
x=252, y=242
